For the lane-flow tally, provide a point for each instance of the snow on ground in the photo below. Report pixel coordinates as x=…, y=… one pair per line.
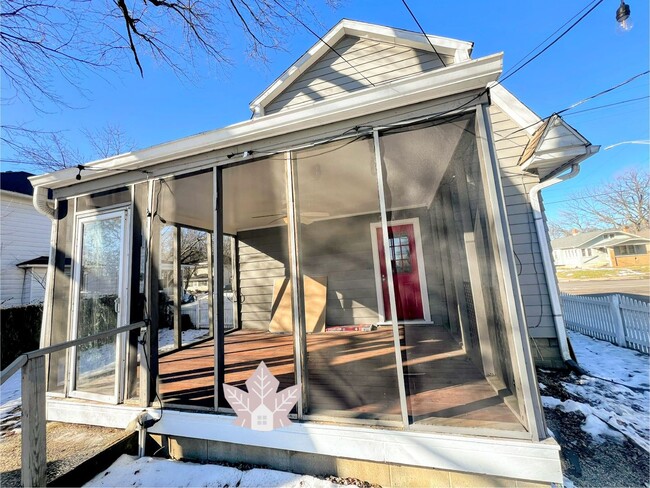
x=166, y=338
x=10, y=403
x=614, y=397
x=147, y=471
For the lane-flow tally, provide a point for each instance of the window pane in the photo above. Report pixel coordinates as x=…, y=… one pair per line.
x=455, y=343
x=351, y=368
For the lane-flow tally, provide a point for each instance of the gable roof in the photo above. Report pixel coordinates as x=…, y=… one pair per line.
x=584, y=240
x=454, y=50
x=16, y=182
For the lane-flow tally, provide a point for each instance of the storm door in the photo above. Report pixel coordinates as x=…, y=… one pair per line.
x=100, y=298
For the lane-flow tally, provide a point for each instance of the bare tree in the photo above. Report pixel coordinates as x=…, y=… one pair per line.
x=51, y=151
x=43, y=40
x=622, y=202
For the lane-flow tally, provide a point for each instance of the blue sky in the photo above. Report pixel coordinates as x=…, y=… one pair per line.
x=594, y=56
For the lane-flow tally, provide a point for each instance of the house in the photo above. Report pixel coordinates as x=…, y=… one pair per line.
x=386, y=182
x=24, y=242
x=612, y=247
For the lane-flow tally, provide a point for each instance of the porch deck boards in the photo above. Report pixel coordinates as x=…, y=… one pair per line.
x=351, y=374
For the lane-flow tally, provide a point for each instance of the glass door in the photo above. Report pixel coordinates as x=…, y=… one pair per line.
x=100, y=300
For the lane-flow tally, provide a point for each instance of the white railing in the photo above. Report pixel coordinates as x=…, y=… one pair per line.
x=615, y=318
x=199, y=312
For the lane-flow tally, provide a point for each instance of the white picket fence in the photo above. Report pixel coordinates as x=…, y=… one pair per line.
x=199, y=312
x=615, y=318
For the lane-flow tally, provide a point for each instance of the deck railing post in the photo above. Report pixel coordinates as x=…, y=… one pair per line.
x=615, y=305
x=34, y=462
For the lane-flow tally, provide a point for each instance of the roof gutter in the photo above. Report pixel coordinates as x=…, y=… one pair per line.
x=41, y=203
x=547, y=261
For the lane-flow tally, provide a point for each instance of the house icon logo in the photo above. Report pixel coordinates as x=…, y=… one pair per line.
x=262, y=408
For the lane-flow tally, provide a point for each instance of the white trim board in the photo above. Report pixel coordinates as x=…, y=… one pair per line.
x=456, y=79
x=424, y=290
x=525, y=460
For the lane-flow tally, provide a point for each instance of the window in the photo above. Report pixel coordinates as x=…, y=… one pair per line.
x=400, y=253
x=629, y=249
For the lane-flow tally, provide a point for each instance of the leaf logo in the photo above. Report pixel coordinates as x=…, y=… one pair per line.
x=263, y=407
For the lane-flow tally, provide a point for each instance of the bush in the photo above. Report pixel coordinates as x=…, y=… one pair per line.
x=20, y=329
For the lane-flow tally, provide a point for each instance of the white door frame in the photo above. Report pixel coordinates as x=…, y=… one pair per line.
x=123, y=290
x=426, y=312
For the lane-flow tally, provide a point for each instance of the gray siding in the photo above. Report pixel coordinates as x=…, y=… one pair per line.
x=380, y=62
x=510, y=142
x=339, y=249
x=263, y=258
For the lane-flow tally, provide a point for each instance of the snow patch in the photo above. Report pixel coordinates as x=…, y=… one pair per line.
x=147, y=471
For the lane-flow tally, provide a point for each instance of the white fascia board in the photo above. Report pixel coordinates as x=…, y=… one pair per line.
x=524, y=460
x=515, y=109
x=554, y=158
x=453, y=80
x=444, y=45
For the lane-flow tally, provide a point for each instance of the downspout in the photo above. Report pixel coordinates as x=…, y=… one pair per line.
x=547, y=262
x=39, y=200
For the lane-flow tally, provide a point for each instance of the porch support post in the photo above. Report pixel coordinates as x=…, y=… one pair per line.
x=148, y=370
x=219, y=359
x=498, y=222
x=209, y=245
x=33, y=432
x=297, y=296
x=391, y=286
x=178, y=288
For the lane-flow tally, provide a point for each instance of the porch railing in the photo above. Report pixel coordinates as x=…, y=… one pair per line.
x=615, y=318
x=33, y=388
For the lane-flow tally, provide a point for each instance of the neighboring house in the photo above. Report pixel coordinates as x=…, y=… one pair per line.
x=24, y=242
x=615, y=248
x=384, y=190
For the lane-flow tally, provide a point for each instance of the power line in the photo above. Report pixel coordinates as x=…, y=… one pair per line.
x=552, y=43
x=629, y=100
x=544, y=41
x=603, y=92
x=585, y=100
x=425, y=34
x=322, y=40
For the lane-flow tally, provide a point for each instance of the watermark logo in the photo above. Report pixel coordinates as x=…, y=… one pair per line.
x=263, y=407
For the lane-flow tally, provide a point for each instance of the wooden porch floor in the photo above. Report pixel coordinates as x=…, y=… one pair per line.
x=351, y=374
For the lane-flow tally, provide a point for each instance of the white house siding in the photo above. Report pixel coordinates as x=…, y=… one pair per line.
x=380, y=62
x=24, y=235
x=510, y=142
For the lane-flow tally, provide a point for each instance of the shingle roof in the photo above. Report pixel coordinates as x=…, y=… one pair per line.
x=16, y=181
x=581, y=240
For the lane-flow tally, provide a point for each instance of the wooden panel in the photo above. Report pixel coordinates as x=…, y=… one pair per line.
x=315, y=290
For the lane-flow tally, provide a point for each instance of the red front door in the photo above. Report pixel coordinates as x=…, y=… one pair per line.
x=408, y=295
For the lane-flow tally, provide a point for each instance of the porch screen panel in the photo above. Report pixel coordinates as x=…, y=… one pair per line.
x=182, y=265
x=456, y=361
x=256, y=273
x=351, y=362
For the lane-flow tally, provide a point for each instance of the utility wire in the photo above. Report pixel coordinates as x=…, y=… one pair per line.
x=544, y=41
x=629, y=100
x=424, y=33
x=297, y=19
x=585, y=100
x=552, y=43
